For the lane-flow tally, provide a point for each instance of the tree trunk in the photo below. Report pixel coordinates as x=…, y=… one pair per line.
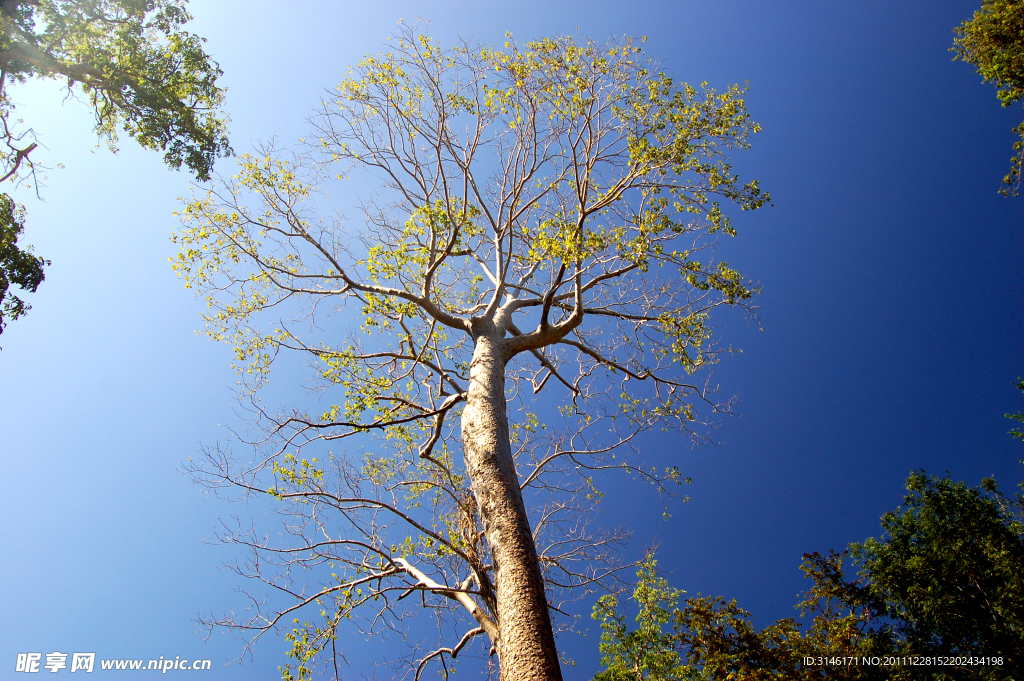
x=526, y=646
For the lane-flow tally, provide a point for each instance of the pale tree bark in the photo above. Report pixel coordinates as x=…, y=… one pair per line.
x=526, y=645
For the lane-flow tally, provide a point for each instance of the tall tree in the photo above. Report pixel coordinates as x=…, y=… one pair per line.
x=993, y=41
x=539, y=212
x=140, y=72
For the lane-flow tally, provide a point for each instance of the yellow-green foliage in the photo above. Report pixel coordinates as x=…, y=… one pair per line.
x=993, y=41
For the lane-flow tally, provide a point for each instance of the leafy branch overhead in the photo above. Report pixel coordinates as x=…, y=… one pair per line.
x=540, y=228
x=138, y=69
x=131, y=60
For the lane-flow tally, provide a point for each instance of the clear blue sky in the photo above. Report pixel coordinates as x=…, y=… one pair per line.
x=892, y=274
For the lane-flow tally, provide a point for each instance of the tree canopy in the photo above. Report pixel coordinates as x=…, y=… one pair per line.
x=950, y=570
x=130, y=60
x=134, y=64
x=540, y=229
x=711, y=638
x=944, y=582
x=993, y=41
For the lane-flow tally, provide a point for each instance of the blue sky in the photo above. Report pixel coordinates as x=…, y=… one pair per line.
x=892, y=274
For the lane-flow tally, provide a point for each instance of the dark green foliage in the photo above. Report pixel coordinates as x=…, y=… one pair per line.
x=711, y=638
x=17, y=266
x=946, y=580
x=993, y=41
x=133, y=63
x=950, y=571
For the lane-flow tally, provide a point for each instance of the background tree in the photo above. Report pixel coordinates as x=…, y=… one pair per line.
x=993, y=40
x=1019, y=416
x=951, y=573
x=946, y=580
x=538, y=212
x=710, y=638
x=140, y=72
x=647, y=652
